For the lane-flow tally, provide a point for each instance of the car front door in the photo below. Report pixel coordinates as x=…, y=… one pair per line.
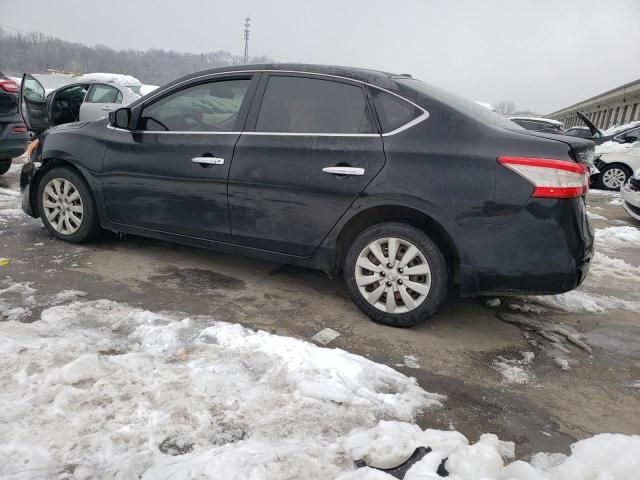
x=170, y=172
x=310, y=149
x=33, y=105
x=100, y=100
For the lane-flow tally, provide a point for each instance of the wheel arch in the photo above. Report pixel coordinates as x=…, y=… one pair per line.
x=397, y=213
x=47, y=165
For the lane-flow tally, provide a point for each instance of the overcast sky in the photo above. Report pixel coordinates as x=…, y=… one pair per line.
x=542, y=54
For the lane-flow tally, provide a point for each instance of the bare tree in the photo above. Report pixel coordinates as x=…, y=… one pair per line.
x=506, y=107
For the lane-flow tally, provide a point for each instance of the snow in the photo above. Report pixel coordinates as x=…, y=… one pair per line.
x=613, y=147
x=124, y=80
x=145, y=89
x=540, y=119
x=514, y=371
x=325, y=336
x=486, y=105
x=618, y=237
x=211, y=395
x=619, y=128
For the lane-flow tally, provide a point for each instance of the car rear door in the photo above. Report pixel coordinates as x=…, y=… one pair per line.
x=33, y=105
x=170, y=173
x=310, y=148
x=100, y=100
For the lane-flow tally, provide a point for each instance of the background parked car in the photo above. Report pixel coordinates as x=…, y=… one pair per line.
x=13, y=132
x=631, y=196
x=580, y=132
x=82, y=99
x=628, y=133
x=617, y=164
x=538, y=124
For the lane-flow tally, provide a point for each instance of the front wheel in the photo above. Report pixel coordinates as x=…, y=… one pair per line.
x=396, y=274
x=66, y=206
x=613, y=177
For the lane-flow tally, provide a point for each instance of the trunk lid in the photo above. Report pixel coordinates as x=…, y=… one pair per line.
x=583, y=150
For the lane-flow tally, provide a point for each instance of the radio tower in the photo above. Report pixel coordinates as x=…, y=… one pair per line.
x=246, y=39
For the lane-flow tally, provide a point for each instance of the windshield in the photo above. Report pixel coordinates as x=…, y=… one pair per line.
x=468, y=107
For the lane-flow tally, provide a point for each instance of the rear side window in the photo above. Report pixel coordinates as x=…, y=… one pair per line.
x=103, y=94
x=307, y=105
x=393, y=112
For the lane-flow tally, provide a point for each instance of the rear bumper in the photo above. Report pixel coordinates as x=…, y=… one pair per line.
x=631, y=197
x=545, y=248
x=12, y=144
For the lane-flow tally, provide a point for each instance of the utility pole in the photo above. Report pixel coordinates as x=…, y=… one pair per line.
x=246, y=39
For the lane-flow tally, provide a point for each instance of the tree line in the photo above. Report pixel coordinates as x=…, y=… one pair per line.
x=36, y=52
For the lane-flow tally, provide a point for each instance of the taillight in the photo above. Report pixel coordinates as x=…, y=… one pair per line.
x=9, y=86
x=551, y=178
x=19, y=129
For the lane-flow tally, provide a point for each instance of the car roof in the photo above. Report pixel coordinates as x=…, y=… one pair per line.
x=374, y=77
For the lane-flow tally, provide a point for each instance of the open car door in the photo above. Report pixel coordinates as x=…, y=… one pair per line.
x=33, y=105
x=595, y=131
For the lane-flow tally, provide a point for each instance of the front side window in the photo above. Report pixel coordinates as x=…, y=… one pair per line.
x=103, y=94
x=393, y=112
x=308, y=105
x=208, y=107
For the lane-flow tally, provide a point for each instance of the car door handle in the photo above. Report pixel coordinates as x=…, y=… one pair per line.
x=344, y=170
x=208, y=160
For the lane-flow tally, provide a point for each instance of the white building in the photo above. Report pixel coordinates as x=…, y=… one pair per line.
x=615, y=107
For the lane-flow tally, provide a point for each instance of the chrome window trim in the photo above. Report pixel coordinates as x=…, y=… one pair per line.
x=406, y=126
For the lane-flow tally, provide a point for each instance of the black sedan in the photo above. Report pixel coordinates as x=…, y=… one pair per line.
x=402, y=187
x=13, y=132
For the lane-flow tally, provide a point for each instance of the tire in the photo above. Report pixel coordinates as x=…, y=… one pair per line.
x=430, y=281
x=5, y=165
x=76, y=202
x=611, y=176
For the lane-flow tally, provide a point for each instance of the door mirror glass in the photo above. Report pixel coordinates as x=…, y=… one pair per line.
x=120, y=118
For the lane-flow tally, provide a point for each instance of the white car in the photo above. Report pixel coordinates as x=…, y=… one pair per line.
x=81, y=99
x=631, y=195
x=617, y=163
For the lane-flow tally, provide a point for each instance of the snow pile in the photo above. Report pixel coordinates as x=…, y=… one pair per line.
x=604, y=456
x=613, y=147
x=17, y=300
x=125, y=80
x=10, y=205
x=514, y=370
x=617, y=237
x=100, y=389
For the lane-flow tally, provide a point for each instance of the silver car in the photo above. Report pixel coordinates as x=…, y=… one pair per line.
x=82, y=99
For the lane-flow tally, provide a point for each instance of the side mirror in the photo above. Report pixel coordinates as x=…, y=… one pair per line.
x=120, y=118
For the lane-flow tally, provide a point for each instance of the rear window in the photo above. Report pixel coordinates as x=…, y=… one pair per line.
x=459, y=103
x=307, y=105
x=393, y=111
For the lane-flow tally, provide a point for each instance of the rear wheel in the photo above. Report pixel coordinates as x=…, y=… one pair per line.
x=613, y=177
x=5, y=165
x=396, y=274
x=66, y=206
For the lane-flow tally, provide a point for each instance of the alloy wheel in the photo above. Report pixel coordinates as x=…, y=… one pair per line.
x=614, y=178
x=62, y=206
x=393, y=275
